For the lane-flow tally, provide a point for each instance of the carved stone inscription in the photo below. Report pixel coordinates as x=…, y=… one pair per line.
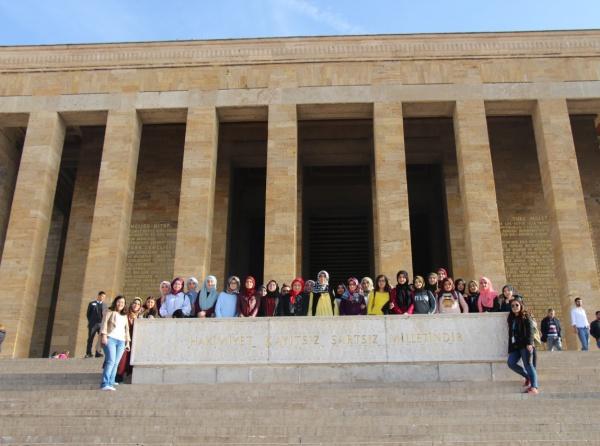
x=308, y=340
x=530, y=262
x=149, y=258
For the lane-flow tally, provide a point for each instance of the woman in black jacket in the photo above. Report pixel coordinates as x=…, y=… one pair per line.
x=521, y=345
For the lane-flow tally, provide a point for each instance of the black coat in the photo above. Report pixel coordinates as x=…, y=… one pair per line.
x=520, y=332
x=95, y=313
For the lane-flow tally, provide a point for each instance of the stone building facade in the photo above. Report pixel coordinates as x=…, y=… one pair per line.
x=126, y=164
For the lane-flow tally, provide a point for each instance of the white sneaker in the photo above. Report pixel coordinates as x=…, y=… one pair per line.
x=115, y=384
x=108, y=388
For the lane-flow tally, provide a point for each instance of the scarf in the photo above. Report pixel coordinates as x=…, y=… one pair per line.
x=192, y=294
x=208, y=296
x=294, y=294
x=324, y=288
x=235, y=279
x=249, y=292
x=352, y=296
x=164, y=282
x=487, y=296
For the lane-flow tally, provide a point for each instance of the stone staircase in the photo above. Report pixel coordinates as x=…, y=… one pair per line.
x=57, y=402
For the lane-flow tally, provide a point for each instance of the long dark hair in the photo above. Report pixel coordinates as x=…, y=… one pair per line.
x=113, y=306
x=386, y=288
x=522, y=314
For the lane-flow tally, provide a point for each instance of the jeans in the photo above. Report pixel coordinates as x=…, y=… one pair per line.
x=529, y=372
x=113, y=351
x=554, y=342
x=584, y=337
x=598, y=342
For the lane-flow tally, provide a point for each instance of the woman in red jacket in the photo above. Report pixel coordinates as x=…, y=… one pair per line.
x=401, y=300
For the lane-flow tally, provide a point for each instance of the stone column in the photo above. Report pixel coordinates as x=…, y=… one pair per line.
x=483, y=241
x=281, y=202
x=9, y=166
x=392, y=223
x=27, y=234
x=218, y=258
x=197, y=196
x=109, y=239
x=569, y=228
x=70, y=292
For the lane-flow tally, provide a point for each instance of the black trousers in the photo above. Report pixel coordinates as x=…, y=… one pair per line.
x=92, y=332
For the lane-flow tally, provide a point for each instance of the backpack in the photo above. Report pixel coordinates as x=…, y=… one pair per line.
x=537, y=340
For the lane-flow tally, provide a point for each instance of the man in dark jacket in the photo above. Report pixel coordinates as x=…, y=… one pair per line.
x=95, y=312
x=551, y=331
x=595, y=329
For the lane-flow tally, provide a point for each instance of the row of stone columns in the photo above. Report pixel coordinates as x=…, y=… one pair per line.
x=108, y=225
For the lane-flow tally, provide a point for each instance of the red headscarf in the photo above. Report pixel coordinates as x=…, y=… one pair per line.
x=293, y=293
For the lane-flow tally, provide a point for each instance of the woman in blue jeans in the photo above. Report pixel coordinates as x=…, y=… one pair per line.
x=115, y=340
x=521, y=346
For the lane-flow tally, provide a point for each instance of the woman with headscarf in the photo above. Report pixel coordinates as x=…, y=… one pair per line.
x=472, y=297
x=449, y=300
x=432, y=283
x=401, y=296
x=227, y=302
x=165, y=289
x=125, y=368
x=424, y=300
x=485, y=304
x=175, y=303
x=192, y=293
x=248, y=299
x=353, y=301
x=308, y=286
x=207, y=298
x=268, y=304
x=366, y=285
x=378, y=301
x=289, y=302
x=322, y=301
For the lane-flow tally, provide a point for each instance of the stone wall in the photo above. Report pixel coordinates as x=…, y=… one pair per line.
x=153, y=230
x=523, y=214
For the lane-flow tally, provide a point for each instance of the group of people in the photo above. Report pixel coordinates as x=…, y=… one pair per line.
x=438, y=293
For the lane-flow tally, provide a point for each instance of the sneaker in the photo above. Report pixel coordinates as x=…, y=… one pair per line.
x=88, y=356
x=527, y=383
x=532, y=391
x=115, y=384
x=98, y=355
x=111, y=388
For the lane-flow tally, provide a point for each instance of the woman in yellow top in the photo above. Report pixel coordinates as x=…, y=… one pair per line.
x=322, y=301
x=380, y=296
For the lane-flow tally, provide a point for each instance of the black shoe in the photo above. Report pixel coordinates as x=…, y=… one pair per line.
x=88, y=355
x=99, y=355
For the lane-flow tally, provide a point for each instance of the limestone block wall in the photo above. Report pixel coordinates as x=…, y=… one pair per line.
x=153, y=229
x=526, y=237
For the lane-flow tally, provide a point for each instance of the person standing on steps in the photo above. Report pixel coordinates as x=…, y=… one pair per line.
x=521, y=346
x=115, y=340
x=580, y=323
x=594, y=329
x=551, y=331
x=2, y=335
x=95, y=312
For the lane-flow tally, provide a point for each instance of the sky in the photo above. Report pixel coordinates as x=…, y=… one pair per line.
x=27, y=22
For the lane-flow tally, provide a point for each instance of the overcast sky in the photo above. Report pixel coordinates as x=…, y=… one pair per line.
x=85, y=21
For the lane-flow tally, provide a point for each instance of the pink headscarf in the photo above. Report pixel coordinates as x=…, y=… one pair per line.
x=486, y=296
